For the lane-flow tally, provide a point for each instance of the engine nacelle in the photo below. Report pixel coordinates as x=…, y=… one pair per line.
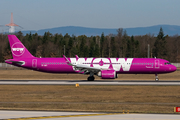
x=107, y=74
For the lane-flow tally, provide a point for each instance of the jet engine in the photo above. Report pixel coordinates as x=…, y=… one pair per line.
x=107, y=74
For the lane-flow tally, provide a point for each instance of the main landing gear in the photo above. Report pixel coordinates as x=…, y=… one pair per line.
x=156, y=77
x=91, y=77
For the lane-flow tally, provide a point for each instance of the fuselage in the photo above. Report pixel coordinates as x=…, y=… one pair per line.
x=120, y=65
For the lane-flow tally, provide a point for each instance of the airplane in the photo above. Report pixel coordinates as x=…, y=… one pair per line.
x=106, y=68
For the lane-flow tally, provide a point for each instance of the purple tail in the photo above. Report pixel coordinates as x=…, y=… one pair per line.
x=17, y=48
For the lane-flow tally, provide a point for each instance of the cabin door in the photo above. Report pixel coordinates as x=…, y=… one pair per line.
x=156, y=63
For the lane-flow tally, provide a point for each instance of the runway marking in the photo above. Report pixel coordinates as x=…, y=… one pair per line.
x=61, y=116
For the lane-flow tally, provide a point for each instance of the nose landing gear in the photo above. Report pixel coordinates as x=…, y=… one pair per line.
x=156, y=77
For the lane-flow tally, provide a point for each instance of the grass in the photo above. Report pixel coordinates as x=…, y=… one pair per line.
x=138, y=99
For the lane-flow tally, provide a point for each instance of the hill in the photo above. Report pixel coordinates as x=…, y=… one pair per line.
x=74, y=30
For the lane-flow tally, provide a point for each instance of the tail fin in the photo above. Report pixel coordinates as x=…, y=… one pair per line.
x=17, y=48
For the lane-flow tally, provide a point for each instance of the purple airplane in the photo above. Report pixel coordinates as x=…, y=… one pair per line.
x=106, y=68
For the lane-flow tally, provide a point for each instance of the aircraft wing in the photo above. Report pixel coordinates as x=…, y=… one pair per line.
x=83, y=68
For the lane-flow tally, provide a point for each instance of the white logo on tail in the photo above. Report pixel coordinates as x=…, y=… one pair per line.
x=17, y=49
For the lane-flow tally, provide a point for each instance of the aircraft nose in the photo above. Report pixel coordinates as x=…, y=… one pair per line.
x=172, y=68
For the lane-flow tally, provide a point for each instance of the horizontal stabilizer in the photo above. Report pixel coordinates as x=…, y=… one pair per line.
x=16, y=61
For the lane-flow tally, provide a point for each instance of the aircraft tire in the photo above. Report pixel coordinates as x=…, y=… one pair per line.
x=156, y=79
x=90, y=78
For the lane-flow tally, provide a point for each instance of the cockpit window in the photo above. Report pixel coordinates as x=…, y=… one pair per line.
x=167, y=63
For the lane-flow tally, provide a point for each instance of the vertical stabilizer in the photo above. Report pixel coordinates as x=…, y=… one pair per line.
x=18, y=49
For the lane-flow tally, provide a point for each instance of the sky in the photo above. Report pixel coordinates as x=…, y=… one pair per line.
x=42, y=14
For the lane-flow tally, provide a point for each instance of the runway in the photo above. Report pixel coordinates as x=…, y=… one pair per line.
x=85, y=82
x=40, y=115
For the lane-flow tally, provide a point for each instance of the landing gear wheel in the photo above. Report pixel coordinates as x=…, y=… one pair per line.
x=156, y=79
x=90, y=78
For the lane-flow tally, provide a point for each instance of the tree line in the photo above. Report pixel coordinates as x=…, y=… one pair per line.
x=112, y=45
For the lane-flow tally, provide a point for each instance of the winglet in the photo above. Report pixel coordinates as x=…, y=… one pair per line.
x=77, y=57
x=67, y=61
